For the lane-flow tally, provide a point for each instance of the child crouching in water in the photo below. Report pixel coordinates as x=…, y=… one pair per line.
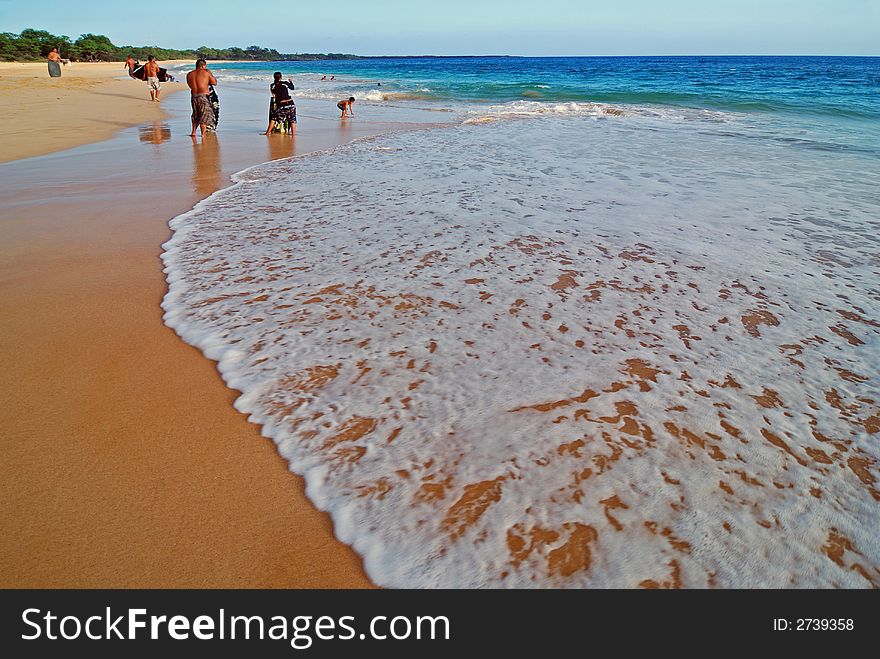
x=346, y=105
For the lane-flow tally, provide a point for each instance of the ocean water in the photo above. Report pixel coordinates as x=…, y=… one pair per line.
x=837, y=95
x=623, y=333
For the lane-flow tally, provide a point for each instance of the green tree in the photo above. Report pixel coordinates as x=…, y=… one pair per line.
x=38, y=42
x=206, y=52
x=32, y=45
x=9, y=47
x=95, y=48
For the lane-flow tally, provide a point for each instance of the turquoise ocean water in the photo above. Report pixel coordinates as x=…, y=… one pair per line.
x=834, y=97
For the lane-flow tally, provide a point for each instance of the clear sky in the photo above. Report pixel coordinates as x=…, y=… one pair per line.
x=473, y=27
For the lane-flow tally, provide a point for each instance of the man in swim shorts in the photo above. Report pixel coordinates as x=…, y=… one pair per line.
x=151, y=68
x=346, y=105
x=199, y=81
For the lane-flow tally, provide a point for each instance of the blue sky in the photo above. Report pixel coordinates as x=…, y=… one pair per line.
x=543, y=27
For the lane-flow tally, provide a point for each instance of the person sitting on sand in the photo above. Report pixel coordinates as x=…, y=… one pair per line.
x=285, y=108
x=346, y=105
x=332, y=77
x=199, y=81
x=323, y=77
x=151, y=69
x=131, y=64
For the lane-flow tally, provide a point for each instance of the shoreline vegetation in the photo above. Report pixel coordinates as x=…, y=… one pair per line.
x=34, y=45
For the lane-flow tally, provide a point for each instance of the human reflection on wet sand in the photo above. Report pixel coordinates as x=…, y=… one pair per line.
x=281, y=146
x=207, y=169
x=156, y=133
x=345, y=128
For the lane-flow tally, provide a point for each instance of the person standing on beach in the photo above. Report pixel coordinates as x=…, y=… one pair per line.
x=54, y=63
x=346, y=105
x=284, y=109
x=199, y=80
x=151, y=69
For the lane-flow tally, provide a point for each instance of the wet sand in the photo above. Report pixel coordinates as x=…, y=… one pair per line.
x=125, y=462
x=91, y=101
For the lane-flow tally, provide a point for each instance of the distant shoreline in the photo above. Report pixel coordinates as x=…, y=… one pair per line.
x=374, y=57
x=350, y=58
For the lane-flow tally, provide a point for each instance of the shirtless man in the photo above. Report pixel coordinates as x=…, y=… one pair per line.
x=130, y=64
x=202, y=109
x=151, y=68
x=54, y=63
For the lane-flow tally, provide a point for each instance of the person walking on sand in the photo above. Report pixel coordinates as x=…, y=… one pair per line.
x=199, y=80
x=151, y=69
x=283, y=109
x=346, y=105
x=130, y=64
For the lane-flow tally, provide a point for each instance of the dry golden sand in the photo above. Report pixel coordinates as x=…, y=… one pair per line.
x=86, y=104
x=124, y=462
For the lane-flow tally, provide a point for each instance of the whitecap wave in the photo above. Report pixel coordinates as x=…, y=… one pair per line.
x=530, y=108
x=525, y=109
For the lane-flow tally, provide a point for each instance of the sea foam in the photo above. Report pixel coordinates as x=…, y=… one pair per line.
x=558, y=351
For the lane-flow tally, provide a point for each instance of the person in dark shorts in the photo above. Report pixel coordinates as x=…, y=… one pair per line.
x=346, y=105
x=200, y=81
x=283, y=109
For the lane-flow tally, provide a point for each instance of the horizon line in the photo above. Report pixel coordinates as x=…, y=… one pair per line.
x=353, y=56
x=642, y=55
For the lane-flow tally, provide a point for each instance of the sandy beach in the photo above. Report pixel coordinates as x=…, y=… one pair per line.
x=90, y=102
x=125, y=462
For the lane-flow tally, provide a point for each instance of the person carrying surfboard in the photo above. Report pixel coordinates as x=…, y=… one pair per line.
x=282, y=110
x=131, y=64
x=200, y=81
x=151, y=69
x=54, y=63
